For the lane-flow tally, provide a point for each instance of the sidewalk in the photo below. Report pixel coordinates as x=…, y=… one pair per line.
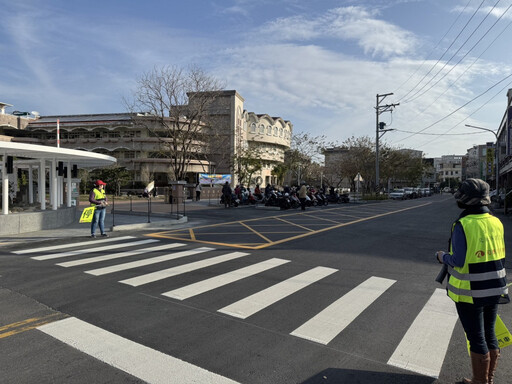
x=125, y=217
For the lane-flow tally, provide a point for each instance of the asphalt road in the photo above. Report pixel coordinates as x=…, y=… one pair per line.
x=339, y=294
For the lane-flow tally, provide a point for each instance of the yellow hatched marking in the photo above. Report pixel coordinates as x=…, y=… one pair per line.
x=297, y=225
x=259, y=234
x=337, y=226
x=168, y=234
x=329, y=220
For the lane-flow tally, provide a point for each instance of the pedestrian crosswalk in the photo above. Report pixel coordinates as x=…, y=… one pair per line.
x=421, y=349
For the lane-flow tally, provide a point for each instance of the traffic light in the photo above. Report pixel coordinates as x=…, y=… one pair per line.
x=382, y=125
x=74, y=171
x=60, y=168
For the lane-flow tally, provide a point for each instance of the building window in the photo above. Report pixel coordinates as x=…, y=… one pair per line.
x=253, y=128
x=281, y=132
x=262, y=129
x=275, y=131
x=269, y=130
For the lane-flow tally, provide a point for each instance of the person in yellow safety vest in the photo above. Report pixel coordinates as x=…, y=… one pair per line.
x=477, y=278
x=98, y=199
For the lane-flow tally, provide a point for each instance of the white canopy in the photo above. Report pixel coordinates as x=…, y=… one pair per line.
x=82, y=159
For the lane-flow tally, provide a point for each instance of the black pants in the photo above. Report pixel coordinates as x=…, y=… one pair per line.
x=302, y=203
x=478, y=323
x=198, y=195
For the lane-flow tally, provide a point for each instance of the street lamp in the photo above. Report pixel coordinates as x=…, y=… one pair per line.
x=497, y=150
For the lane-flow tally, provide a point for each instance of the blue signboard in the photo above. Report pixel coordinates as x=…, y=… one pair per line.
x=213, y=178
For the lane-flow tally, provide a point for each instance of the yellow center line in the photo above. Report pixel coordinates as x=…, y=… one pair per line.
x=28, y=324
x=297, y=225
x=253, y=230
x=192, y=235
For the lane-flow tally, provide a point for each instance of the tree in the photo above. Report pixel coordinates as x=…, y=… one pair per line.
x=305, y=151
x=247, y=162
x=115, y=176
x=177, y=103
x=279, y=171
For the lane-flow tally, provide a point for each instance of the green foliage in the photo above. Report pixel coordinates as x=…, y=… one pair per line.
x=279, y=172
x=115, y=176
x=247, y=163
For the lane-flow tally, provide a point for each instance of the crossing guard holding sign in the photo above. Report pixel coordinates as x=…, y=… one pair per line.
x=98, y=200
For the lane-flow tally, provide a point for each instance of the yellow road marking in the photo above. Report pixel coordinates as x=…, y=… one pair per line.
x=297, y=225
x=259, y=234
x=174, y=235
x=28, y=324
x=192, y=236
x=331, y=221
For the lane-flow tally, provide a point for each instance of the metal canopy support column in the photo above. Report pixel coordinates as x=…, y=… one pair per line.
x=30, y=185
x=53, y=185
x=42, y=184
x=68, y=185
x=5, y=186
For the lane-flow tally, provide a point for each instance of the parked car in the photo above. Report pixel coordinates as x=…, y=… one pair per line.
x=410, y=193
x=426, y=192
x=397, y=194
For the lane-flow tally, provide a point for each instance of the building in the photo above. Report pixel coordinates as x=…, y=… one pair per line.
x=132, y=138
x=504, y=140
x=480, y=162
x=451, y=168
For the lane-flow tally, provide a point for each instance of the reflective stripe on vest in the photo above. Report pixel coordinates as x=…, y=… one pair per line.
x=477, y=276
x=485, y=248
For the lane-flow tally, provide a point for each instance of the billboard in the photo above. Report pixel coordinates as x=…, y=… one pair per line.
x=213, y=178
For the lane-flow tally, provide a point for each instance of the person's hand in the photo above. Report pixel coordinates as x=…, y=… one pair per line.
x=440, y=255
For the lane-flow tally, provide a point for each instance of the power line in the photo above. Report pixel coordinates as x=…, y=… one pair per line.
x=459, y=108
x=433, y=49
x=463, y=57
x=467, y=69
x=446, y=51
x=439, y=134
x=471, y=114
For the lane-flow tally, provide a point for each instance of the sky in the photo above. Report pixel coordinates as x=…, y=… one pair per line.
x=318, y=63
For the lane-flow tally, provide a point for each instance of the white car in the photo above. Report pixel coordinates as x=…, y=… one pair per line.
x=397, y=194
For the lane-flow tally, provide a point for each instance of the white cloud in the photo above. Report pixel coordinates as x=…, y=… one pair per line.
x=374, y=36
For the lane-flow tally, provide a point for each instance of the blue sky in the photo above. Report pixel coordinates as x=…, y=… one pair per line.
x=318, y=63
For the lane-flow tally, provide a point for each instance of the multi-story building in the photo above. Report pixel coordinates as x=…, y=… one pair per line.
x=451, y=168
x=126, y=137
x=480, y=162
x=504, y=137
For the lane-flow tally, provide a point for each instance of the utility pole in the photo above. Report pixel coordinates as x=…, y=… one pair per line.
x=379, y=132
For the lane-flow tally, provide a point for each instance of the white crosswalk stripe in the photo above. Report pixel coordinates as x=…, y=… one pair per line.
x=144, y=262
x=113, y=256
x=422, y=349
x=166, y=273
x=83, y=251
x=72, y=245
x=224, y=279
x=326, y=325
x=261, y=300
x=424, y=346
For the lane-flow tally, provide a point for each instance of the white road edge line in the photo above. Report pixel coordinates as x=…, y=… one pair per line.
x=135, y=359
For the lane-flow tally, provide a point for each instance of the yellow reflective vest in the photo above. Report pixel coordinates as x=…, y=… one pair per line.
x=483, y=273
x=99, y=195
